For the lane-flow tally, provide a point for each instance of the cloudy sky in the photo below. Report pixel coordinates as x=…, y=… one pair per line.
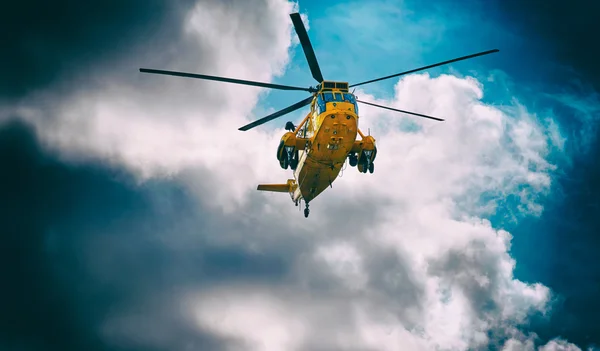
x=129, y=218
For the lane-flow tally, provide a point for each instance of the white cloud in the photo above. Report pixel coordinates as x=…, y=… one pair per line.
x=411, y=262
x=262, y=321
x=427, y=192
x=157, y=125
x=559, y=345
x=527, y=344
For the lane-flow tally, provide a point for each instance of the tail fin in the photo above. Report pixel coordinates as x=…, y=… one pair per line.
x=289, y=187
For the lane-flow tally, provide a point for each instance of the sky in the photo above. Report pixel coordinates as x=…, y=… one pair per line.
x=130, y=218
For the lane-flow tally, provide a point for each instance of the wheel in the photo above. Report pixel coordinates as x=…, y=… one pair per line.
x=284, y=163
x=371, y=167
x=290, y=126
x=361, y=168
x=306, y=212
x=353, y=160
x=280, y=155
x=362, y=159
x=294, y=164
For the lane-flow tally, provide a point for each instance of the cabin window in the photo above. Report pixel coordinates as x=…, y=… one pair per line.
x=338, y=97
x=320, y=104
x=350, y=98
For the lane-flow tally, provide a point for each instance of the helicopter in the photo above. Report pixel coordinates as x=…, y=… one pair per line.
x=318, y=147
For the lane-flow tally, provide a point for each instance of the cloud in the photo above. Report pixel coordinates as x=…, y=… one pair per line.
x=444, y=277
x=430, y=270
x=162, y=125
x=45, y=44
x=559, y=345
x=58, y=223
x=191, y=255
x=528, y=345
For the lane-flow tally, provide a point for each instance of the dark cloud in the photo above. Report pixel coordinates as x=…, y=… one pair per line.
x=91, y=261
x=395, y=285
x=466, y=270
x=43, y=42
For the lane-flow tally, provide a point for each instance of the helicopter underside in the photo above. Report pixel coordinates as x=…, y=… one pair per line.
x=320, y=163
x=317, y=157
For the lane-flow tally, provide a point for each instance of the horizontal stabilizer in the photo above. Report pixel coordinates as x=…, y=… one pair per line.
x=290, y=187
x=278, y=188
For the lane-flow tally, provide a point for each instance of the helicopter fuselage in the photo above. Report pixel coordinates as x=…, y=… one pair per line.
x=333, y=139
x=317, y=149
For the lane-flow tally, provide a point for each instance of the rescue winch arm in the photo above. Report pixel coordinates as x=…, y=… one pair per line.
x=302, y=123
x=362, y=136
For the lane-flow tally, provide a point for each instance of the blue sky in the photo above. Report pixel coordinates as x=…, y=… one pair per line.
x=357, y=41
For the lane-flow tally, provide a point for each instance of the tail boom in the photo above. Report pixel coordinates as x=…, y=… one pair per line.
x=289, y=187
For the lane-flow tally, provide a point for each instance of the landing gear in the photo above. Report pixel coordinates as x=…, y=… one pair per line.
x=306, y=211
x=365, y=166
x=353, y=160
x=294, y=163
x=287, y=156
x=365, y=162
x=361, y=168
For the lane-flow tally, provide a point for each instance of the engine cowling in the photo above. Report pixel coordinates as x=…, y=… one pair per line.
x=287, y=151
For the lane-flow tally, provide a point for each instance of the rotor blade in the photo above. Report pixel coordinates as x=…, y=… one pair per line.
x=279, y=113
x=426, y=67
x=223, y=79
x=394, y=109
x=307, y=47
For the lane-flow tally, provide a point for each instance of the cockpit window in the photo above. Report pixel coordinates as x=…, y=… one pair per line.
x=320, y=104
x=332, y=97
x=325, y=97
x=350, y=98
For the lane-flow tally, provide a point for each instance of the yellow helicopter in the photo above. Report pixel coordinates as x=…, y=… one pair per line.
x=318, y=147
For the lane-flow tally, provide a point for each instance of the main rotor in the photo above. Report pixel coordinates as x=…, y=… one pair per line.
x=315, y=70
